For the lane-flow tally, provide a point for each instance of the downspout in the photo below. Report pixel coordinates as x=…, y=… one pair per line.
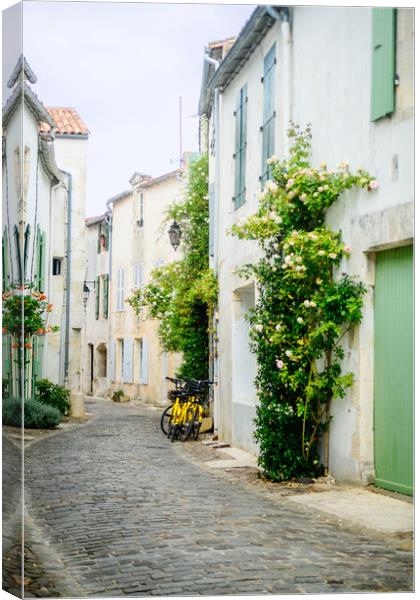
x=283, y=15
x=108, y=216
x=286, y=36
x=49, y=291
x=68, y=280
x=214, y=342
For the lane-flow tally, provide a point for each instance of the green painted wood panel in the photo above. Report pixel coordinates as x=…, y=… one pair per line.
x=383, y=62
x=393, y=370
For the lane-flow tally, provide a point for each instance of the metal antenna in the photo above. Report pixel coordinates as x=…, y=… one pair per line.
x=180, y=133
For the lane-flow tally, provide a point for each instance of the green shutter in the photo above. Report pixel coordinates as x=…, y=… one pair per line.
x=18, y=253
x=105, y=299
x=240, y=147
x=41, y=271
x=268, y=113
x=106, y=226
x=26, y=247
x=5, y=261
x=38, y=349
x=383, y=62
x=99, y=239
x=97, y=294
x=394, y=370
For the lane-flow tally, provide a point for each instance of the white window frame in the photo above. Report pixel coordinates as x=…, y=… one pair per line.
x=138, y=275
x=140, y=220
x=120, y=289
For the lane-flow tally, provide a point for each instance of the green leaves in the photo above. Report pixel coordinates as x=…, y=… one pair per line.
x=182, y=295
x=304, y=308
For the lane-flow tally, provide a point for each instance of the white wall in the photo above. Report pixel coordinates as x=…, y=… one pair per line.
x=331, y=90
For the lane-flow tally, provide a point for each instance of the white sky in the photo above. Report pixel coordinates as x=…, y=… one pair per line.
x=123, y=67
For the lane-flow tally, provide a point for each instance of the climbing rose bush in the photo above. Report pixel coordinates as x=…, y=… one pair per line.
x=304, y=307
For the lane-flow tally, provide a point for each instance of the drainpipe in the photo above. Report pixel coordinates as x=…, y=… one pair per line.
x=49, y=291
x=109, y=213
x=214, y=348
x=287, y=74
x=68, y=280
x=283, y=15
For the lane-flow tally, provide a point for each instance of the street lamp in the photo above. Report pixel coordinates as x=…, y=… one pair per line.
x=86, y=291
x=175, y=235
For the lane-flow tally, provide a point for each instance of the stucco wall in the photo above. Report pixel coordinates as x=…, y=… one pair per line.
x=149, y=245
x=331, y=54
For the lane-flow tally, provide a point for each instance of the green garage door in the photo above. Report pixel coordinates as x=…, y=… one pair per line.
x=393, y=418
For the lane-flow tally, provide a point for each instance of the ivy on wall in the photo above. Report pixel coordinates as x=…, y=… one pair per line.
x=182, y=294
x=304, y=307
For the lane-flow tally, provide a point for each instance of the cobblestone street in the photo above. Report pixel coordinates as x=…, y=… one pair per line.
x=113, y=508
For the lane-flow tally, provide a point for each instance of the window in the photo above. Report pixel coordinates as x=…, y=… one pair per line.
x=105, y=284
x=120, y=289
x=97, y=296
x=119, y=360
x=269, y=113
x=383, y=62
x=138, y=275
x=56, y=266
x=140, y=220
x=103, y=236
x=143, y=360
x=240, y=147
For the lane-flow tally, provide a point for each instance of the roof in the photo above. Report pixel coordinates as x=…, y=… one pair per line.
x=47, y=158
x=160, y=179
x=145, y=184
x=94, y=220
x=21, y=65
x=216, y=50
x=31, y=100
x=67, y=121
x=254, y=30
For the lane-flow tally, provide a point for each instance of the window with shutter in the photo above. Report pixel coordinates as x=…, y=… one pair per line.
x=240, y=147
x=18, y=252
x=5, y=261
x=26, y=248
x=105, y=295
x=383, y=62
x=138, y=275
x=120, y=289
x=269, y=113
x=144, y=361
x=97, y=296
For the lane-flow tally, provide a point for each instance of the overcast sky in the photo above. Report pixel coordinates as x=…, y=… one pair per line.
x=123, y=67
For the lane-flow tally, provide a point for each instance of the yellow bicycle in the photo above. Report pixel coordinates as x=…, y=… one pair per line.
x=184, y=417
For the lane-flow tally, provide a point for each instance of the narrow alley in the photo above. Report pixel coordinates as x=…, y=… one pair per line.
x=113, y=508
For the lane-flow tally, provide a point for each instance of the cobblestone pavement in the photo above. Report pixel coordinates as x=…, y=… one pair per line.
x=113, y=508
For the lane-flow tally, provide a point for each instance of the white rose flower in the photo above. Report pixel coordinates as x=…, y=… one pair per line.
x=288, y=353
x=271, y=186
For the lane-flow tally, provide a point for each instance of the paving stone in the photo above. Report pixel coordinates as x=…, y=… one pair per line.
x=125, y=512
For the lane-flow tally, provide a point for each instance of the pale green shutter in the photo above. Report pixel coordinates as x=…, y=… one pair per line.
x=106, y=226
x=5, y=262
x=240, y=147
x=105, y=298
x=97, y=294
x=383, y=62
x=99, y=240
x=18, y=253
x=42, y=262
x=268, y=113
x=26, y=247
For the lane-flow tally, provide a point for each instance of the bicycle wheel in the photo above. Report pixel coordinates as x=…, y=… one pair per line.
x=198, y=419
x=188, y=425
x=166, y=419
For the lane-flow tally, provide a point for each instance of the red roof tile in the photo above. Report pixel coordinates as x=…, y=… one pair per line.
x=67, y=120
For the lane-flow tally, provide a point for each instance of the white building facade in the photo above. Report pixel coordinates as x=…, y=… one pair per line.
x=44, y=171
x=348, y=72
